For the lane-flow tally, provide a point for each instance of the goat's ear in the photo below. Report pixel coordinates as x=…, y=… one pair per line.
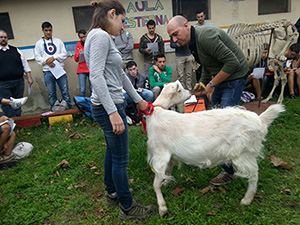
x=179, y=85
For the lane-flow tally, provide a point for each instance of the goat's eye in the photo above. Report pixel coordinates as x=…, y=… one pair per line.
x=179, y=90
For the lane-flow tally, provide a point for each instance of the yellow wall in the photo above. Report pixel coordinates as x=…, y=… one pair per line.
x=26, y=18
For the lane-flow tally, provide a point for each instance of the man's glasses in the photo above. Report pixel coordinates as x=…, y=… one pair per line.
x=3, y=37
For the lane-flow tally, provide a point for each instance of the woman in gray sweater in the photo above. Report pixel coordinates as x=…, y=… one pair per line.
x=108, y=79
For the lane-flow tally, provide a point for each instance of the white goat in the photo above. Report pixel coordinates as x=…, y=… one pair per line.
x=205, y=139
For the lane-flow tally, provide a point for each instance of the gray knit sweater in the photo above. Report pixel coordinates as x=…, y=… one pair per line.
x=106, y=75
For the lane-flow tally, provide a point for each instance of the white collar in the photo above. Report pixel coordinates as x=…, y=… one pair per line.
x=4, y=48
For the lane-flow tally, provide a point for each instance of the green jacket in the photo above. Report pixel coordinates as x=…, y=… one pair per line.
x=159, y=80
x=218, y=51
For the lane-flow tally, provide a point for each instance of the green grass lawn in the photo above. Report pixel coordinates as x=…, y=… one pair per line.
x=36, y=191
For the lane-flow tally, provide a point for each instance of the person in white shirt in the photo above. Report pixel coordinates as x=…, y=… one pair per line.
x=13, y=65
x=200, y=16
x=50, y=52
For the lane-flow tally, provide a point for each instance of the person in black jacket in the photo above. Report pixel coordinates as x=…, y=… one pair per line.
x=145, y=40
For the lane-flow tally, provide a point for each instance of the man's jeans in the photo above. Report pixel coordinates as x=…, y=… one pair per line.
x=11, y=88
x=117, y=155
x=146, y=94
x=82, y=77
x=228, y=93
x=63, y=87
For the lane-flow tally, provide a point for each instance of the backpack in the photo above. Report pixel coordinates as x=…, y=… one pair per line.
x=22, y=150
x=200, y=105
x=60, y=105
x=84, y=105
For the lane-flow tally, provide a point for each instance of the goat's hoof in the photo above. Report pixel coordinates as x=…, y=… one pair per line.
x=246, y=201
x=163, y=211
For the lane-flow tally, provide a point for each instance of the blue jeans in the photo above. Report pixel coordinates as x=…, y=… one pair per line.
x=63, y=87
x=146, y=94
x=11, y=88
x=117, y=155
x=82, y=83
x=228, y=93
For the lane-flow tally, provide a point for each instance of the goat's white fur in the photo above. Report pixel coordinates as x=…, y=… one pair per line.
x=205, y=139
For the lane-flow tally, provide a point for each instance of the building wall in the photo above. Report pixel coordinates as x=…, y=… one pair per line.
x=225, y=12
x=27, y=16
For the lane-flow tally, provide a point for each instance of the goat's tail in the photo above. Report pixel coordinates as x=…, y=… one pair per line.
x=271, y=114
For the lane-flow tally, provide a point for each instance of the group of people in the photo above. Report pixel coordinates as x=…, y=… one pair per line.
x=156, y=72
x=291, y=68
x=224, y=75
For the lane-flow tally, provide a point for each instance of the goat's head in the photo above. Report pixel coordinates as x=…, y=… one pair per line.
x=172, y=94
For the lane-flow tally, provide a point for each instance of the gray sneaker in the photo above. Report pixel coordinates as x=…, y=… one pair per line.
x=112, y=199
x=6, y=158
x=136, y=211
x=16, y=103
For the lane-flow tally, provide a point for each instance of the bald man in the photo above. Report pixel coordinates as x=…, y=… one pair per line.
x=224, y=70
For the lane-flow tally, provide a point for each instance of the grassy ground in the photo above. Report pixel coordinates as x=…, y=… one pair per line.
x=36, y=191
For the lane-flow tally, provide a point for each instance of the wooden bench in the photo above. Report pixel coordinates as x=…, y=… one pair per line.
x=34, y=119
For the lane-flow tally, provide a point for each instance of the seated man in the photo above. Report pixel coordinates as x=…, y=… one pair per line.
x=7, y=141
x=139, y=81
x=293, y=53
x=159, y=74
x=261, y=64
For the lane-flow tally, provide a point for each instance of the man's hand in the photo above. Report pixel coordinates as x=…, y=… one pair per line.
x=117, y=123
x=209, y=91
x=148, y=50
x=49, y=61
x=52, y=65
x=157, y=69
x=198, y=87
x=30, y=81
x=3, y=118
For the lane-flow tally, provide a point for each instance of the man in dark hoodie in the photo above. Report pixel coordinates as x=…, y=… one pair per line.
x=150, y=37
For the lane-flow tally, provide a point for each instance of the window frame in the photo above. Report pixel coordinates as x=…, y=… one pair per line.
x=285, y=7
x=6, y=26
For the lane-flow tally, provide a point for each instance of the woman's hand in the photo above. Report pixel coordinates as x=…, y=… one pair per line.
x=142, y=105
x=117, y=123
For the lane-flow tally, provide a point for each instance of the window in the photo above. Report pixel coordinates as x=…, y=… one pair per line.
x=273, y=6
x=83, y=17
x=5, y=25
x=189, y=7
